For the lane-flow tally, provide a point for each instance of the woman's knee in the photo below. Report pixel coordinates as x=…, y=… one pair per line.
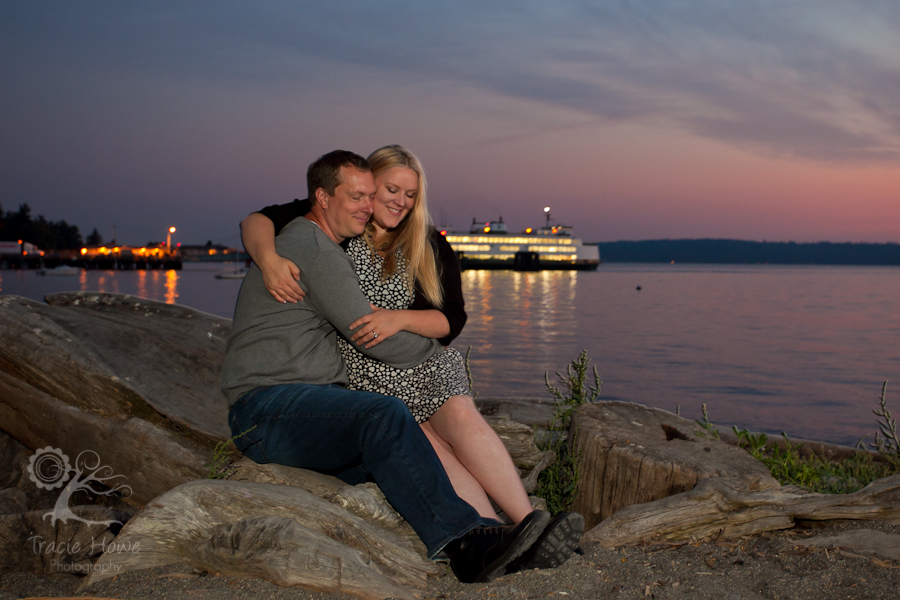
x=459, y=411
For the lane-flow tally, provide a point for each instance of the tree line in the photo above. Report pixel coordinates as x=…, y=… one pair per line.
x=46, y=235
x=717, y=251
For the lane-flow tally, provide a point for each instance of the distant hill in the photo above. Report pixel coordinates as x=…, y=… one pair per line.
x=743, y=252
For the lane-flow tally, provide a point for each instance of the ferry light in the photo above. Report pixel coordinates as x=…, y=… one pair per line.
x=528, y=230
x=443, y=232
x=83, y=251
x=487, y=229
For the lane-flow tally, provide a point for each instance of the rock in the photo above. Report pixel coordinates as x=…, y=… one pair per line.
x=868, y=541
x=631, y=454
x=282, y=533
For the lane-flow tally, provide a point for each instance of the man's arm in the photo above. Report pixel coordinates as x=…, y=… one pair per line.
x=332, y=288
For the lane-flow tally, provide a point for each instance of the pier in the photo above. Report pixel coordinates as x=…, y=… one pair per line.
x=103, y=258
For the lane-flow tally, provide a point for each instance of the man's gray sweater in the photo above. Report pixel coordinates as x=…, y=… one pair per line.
x=273, y=343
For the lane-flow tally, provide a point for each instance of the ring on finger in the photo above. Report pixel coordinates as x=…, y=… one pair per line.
x=374, y=335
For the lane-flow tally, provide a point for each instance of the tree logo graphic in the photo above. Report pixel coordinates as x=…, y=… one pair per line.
x=49, y=469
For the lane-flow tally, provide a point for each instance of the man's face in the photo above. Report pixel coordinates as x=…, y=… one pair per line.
x=349, y=209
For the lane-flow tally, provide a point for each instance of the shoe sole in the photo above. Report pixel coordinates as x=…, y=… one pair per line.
x=556, y=545
x=523, y=542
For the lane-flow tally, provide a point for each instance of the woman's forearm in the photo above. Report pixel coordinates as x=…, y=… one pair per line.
x=258, y=236
x=427, y=323
x=280, y=275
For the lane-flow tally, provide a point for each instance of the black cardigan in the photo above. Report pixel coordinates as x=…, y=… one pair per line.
x=448, y=263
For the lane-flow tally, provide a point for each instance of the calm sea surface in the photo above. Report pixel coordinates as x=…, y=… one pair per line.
x=795, y=348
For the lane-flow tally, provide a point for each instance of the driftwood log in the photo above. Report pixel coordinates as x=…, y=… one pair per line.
x=731, y=507
x=280, y=533
x=134, y=380
x=33, y=541
x=631, y=454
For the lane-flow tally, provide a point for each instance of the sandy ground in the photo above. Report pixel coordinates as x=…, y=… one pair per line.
x=769, y=566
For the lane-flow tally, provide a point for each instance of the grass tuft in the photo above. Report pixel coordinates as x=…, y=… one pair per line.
x=222, y=463
x=558, y=483
x=819, y=474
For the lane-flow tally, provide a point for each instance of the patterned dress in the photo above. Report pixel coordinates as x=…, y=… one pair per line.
x=425, y=387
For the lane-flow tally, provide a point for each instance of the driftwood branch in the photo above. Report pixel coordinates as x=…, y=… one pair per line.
x=729, y=507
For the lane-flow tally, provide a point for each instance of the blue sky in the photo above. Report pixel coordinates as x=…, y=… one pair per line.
x=633, y=120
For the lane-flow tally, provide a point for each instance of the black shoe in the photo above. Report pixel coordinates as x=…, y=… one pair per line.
x=482, y=554
x=554, y=546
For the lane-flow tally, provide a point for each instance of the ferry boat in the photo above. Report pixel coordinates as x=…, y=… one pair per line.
x=488, y=245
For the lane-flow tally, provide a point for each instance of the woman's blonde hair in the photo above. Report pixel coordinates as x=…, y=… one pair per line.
x=413, y=234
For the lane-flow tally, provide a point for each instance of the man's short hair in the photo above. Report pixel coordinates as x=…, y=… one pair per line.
x=325, y=172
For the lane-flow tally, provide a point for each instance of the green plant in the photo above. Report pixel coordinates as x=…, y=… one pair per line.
x=821, y=475
x=220, y=466
x=469, y=374
x=886, y=441
x=708, y=429
x=754, y=443
x=558, y=483
x=790, y=466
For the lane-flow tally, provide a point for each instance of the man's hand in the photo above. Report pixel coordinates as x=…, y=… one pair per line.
x=280, y=277
x=383, y=322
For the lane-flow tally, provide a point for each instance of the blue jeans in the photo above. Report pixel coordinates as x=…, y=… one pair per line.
x=330, y=429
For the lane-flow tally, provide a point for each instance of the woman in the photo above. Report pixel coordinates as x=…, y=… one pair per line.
x=403, y=262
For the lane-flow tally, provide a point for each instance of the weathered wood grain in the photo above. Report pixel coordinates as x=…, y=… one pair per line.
x=736, y=506
x=31, y=541
x=631, y=454
x=282, y=533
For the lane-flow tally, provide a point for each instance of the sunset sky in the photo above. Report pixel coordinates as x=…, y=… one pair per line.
x=745, y=119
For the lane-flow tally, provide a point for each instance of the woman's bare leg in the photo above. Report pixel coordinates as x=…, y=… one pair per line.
x=480, y=451
x=466, y=486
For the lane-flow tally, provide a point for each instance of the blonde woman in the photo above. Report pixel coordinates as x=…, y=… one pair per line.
x=411, y=277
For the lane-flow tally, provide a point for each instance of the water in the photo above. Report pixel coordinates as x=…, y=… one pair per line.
x=771, y=348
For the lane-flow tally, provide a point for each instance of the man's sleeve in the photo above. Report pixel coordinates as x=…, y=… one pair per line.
x=454, y=307
x=282, y=214
x=332, y=288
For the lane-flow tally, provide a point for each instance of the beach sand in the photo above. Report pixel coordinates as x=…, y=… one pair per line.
x=767, y=566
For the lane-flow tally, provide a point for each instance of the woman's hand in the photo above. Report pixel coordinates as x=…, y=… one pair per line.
x=280, y=277
x=385, y=323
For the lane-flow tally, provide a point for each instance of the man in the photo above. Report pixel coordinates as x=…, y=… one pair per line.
x=284, y=377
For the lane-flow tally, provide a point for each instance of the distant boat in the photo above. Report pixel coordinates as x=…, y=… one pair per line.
x=61, y=270
x=488, y=245
x=236, y=274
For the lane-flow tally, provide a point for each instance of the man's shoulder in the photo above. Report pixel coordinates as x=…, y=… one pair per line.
x=304, y=231
x=303, y=240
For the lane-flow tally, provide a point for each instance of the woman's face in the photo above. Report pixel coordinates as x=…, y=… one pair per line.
x=395, y=196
